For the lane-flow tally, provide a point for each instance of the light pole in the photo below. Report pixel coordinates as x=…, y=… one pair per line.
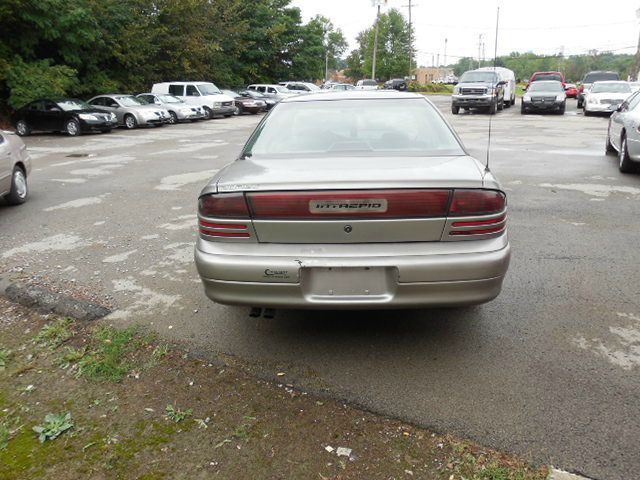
x=636, y=64
x=377, y=3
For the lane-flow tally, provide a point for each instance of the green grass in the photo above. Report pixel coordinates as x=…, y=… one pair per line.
x=107, y=358
x=4, y=358
x=55, y=334
x=178, y=415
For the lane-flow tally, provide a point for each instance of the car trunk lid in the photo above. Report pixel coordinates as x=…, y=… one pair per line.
x=350, y=200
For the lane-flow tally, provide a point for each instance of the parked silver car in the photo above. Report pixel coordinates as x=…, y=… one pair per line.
x=353, y=200
x=623, y=136
x=179, y=110
x=131, y=111
x=15, y=167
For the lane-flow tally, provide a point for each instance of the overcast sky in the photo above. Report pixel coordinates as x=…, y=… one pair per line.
x=541, y=26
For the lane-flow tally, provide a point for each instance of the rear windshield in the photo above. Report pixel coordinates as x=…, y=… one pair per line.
x=351, y=128
x=600, y=76
x=611, y=88
x=546, y=86
x=547, y=76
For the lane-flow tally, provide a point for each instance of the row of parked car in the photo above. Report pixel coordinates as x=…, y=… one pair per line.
x=166, y=103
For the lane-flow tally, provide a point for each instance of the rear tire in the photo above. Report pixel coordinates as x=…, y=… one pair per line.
x=23, y=129
x=579, y=103
x=19, y=187
x=455, y=110
x=626, y=164
x=562, y=109
x=523, y=110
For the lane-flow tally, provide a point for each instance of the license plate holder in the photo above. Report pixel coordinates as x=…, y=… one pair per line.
x=346, y=281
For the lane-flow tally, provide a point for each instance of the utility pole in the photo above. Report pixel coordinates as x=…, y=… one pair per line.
x=479, y=49
x=445, y=51
x=636, y=64
x=409, y=6
x=375, y=38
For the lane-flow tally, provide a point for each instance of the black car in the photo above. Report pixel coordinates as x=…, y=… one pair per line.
x=396, y=84
x=68, y=115
x=271, y=102
x=544, y=96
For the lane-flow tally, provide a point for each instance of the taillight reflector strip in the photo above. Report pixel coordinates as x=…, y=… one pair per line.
x=230, y=226
x=225, y=234
x=345, y=204
x=477, y=223
x=483, y=231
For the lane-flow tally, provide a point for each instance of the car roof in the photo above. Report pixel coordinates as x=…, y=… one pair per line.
x=354, y=95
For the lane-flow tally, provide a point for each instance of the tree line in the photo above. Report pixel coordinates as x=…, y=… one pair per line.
x=573, y=67
x=85, y=47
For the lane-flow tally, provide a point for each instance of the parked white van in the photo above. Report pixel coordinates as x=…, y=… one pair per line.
x=204, y=94
x=507, y=76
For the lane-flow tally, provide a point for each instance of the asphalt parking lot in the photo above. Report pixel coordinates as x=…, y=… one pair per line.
x=549, y=370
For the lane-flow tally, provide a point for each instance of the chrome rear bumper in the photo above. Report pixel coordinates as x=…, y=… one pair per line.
x=430, y=274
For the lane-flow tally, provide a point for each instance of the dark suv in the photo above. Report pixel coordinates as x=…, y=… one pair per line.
x=589, y=79
x=478, y=89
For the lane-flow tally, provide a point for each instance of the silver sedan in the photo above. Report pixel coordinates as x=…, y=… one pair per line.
x=623, y=137
x=131, y=111
x=179, y=110
x=369, y=200
x=15, y=166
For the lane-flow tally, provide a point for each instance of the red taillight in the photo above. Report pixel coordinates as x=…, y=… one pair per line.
x=354, y=204
x=223, y=205
x=477, y=202
x=482, y=231
x=477, y=223
x=225, y=234
x=226, y=230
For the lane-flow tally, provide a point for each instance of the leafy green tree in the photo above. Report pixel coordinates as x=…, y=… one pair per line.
x=29, y=81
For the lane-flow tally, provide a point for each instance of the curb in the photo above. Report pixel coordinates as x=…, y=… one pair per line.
x=555, y=474
x=46, y=301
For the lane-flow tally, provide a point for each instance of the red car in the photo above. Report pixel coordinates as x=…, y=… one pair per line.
x=557, y=76
x=571, y=90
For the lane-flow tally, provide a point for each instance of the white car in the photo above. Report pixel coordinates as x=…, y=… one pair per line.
x=204, y=94
x=366, y=84
x=509, y=79
x=179, y=110
x=606, y=97
x=277, y=92
x=301, y=87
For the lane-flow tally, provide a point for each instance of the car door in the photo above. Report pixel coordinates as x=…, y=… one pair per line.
x=53, y=117
x=6, y=165
x=621, y=117
x=34, y=115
